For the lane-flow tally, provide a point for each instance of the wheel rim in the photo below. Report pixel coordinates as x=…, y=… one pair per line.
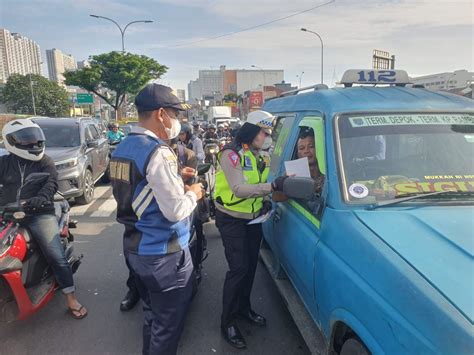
x=89, y=186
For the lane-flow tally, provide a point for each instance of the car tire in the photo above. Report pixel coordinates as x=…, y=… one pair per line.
x=106, y=177
x=88, y=191
x=353, y=346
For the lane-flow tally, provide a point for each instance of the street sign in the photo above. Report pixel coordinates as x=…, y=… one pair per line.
x=85, y=98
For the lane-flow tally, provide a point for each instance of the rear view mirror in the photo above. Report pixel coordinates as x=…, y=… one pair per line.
x=92, y=144
x=299, y=188
x=203, y=168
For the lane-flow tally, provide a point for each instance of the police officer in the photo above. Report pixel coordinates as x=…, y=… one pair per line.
x=241, y=195
x=155, y=208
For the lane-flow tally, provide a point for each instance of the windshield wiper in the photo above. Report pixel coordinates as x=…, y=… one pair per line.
x=418, y=195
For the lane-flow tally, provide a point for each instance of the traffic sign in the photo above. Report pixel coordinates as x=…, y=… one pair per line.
x=85, y=98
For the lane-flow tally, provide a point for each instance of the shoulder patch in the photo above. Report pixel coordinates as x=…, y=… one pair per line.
x=168, y=154
x=234, y=158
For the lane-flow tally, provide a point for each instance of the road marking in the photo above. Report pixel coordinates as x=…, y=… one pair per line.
x=99, y=191
x=106, y=209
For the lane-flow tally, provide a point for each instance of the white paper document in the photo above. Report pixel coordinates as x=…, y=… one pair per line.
x=262, y=218
x=298, y=167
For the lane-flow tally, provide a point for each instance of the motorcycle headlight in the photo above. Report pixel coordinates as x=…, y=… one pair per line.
x=68, y=163
x=212, y=150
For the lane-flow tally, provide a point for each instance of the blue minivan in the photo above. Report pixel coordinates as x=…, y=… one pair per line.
x=380, y=252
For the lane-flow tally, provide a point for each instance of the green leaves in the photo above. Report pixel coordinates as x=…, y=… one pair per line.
x=50, y=98
x=118, y=73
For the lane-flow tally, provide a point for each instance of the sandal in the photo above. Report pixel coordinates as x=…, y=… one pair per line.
x=73, y=312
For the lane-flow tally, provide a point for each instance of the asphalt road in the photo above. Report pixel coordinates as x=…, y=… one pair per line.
x=100, y=283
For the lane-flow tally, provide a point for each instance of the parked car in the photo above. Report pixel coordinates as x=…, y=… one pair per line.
x=381, y=255
x=80, y=152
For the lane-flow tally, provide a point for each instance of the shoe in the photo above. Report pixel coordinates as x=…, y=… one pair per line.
x=234, y=337
x=130, y=300
x=253, y=318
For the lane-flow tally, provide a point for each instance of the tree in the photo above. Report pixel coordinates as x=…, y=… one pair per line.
x=50, y=98
x=120, y=73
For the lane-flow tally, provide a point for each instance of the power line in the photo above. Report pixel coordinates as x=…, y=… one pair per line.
x=253, y=27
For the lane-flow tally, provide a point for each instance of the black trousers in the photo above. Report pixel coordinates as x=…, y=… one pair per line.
x=165, y=286
x=242, y=245
x=131, y=279
x=200, y=240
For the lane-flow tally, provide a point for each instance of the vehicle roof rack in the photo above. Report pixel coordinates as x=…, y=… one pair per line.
x=297, y=91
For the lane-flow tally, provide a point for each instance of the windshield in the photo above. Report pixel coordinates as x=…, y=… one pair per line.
x=61, y=136
x=389, y=156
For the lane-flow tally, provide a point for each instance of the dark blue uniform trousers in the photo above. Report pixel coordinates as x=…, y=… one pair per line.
x=165, y=286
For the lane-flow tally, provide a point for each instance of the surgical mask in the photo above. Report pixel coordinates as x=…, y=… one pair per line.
x=173, y=132
x=267, y=143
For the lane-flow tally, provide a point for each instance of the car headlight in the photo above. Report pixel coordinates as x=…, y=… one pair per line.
x=68, y=163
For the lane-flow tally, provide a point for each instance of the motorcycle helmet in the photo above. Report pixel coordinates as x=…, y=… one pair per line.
x=24, y=138
x=187, y=129
x=212, y=126
x=262, y=119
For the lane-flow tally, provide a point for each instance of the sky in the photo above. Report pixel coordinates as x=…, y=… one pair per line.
x=426, y=36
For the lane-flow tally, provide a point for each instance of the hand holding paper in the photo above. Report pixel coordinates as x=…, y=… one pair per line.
x=298, y=167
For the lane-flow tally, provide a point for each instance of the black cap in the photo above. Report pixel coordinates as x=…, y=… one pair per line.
x=155, y=96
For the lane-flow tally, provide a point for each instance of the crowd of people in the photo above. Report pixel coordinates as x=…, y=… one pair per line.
x=153, y=178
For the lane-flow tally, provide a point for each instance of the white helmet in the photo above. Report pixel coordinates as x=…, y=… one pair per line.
x=262, y=119
x=220, y=125
x=24, y=138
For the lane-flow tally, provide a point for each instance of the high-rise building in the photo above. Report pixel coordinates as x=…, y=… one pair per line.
x=83, y=64
x=18, y=55
x=181, y=94
x=58, y=64
x=235, y=81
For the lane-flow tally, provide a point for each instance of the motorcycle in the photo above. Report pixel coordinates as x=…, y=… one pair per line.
x=198, y=248
x=27, y=282
x=211, y=148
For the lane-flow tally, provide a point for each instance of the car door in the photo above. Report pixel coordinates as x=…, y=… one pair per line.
x=103, y=149
x=281, y=132
x=297, y=223
x=92, y=152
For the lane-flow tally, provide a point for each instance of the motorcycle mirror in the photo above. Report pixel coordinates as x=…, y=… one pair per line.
x=203, y=168
x=299, y=188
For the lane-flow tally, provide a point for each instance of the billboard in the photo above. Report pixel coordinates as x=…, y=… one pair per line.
x=255, y=99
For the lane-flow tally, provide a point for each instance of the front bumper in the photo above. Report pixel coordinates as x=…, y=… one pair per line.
x=70, y=182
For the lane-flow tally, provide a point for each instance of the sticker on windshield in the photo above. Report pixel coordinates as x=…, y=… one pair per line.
x=412, y=119
x=358, y=191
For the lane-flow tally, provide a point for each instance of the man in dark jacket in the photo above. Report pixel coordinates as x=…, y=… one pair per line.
x=24, y=140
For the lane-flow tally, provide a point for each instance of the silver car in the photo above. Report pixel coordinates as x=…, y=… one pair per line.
x=81, y=154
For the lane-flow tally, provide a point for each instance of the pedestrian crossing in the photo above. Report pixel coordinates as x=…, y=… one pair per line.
x=103, y=205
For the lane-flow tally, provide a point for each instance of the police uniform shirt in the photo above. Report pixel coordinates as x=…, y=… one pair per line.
x=166, y=184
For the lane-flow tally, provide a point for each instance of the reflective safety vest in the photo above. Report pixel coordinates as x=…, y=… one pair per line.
x=255, y=171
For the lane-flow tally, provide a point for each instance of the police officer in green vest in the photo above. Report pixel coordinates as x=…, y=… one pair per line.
x=242, y=194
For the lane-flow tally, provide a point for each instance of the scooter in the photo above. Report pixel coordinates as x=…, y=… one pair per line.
x=27, y=283
x=211, y=148
x=198, y=248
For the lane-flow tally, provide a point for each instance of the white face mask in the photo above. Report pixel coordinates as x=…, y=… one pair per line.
x=173, y=132
x=267, y=143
